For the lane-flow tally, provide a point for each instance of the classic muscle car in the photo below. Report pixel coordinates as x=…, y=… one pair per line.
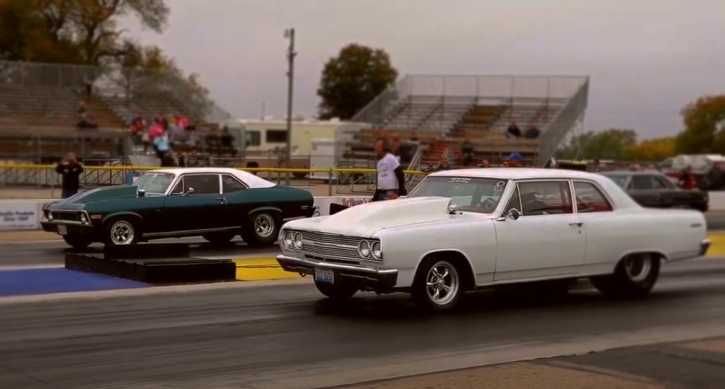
x=655, y=190
x=461, y=230
x=215, y=203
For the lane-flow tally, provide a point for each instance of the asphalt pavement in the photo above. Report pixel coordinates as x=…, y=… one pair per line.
x=287, y=336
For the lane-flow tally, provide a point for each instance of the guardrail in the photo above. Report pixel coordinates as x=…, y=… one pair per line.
x=345, y=180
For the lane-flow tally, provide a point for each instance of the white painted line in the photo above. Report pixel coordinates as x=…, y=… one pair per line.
x=28, y=267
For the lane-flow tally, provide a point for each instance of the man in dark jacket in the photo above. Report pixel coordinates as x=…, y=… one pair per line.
x=70, y=171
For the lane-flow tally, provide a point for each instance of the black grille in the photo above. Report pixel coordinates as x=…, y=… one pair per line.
x=69, y=216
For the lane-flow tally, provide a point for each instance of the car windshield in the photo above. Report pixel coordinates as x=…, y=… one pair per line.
x=155, y=182
x=618, y=179
x=468, y=194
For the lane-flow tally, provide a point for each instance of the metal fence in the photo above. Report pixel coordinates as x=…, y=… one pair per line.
x=117, y=82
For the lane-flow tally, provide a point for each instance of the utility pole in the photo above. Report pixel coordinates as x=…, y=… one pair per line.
x=291, y=54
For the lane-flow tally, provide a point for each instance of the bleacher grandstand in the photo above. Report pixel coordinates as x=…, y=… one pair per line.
x=443, y=111
x=39, y=110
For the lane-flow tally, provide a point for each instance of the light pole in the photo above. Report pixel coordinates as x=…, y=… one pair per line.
x=291, y=54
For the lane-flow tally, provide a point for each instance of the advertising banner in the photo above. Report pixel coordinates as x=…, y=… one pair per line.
x=19, y=216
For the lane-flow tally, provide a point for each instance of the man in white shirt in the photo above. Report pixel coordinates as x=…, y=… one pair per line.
x=390, y=183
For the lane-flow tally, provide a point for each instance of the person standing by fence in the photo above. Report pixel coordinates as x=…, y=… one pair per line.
x=390, y=183
x=70, y=172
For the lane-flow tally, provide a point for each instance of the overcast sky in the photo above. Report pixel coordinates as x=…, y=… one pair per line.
x=646, y=58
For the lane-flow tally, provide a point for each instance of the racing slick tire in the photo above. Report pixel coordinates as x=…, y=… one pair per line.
x=634, y=277
x=336, y=292
x=262, y=228
x=122, y=231
x=438, y=285
x=77, y=242
x=219, y=237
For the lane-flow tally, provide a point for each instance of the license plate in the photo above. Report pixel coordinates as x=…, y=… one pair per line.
x=63, y=230
x=325, y=276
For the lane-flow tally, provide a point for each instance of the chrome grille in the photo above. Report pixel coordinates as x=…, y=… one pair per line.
x=71, y=216
x=330, y=245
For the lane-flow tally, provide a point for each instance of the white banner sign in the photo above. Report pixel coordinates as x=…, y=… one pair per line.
x=322, y=204
x=19, y=216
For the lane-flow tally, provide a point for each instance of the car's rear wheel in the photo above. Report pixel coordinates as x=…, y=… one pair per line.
x=634, y=276
x=261, y=228
x=219, y=237
x=337, y=292
x=438, y=285
x=77, y=242
x=122, y=231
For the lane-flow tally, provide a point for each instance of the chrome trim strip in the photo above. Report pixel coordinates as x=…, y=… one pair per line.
x=285, y=260
x=189, y=232
x=65, y=222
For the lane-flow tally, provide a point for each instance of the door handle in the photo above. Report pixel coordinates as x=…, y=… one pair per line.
x=579, y=224
x=222, y=200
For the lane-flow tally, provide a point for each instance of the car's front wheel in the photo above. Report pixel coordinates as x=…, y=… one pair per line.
x=219, y=237
x=77, y=242
x=634, y=276
x=122, y=232
x=438, y=285
x=261, y=229
x=337, y=292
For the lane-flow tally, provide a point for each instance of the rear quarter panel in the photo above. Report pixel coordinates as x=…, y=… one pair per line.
x=292, y=202
x=471, y=235
x=674, y=233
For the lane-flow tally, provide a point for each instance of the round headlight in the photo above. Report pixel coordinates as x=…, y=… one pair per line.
x=377, y=250
x=364, y=249
x=298, y=241
x=50, y=215
x=84, y=219
x=287, y=241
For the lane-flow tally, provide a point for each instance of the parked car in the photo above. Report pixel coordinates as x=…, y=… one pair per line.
x=655, y=190
x=461, y=230
x=215, y=203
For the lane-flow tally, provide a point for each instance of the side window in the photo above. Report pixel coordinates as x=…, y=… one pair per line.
x=202, y=183
x=179, y=188
x=231, y=184
x=660, y=183
x=545, y=198
x=642, y=182
x=590, y=199
x=514, y=202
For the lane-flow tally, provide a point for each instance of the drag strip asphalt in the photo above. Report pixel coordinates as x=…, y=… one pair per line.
x=287, y=336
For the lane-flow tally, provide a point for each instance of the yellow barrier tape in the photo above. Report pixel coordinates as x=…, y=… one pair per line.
x=147, y=168
x=717, y=248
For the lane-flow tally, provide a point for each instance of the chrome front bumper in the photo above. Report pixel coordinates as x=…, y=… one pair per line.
x=704, y=246
x=365, y=277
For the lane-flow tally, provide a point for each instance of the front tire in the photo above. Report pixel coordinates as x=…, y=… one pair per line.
x=261, y=229
x=438, y=285
x=219, y=237
x=634, y=277
x=77, y=242
x=122, y=232
x=336, y=292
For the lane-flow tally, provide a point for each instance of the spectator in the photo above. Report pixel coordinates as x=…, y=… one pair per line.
x=533, y=132
x=687, y=179
x=163, y=121
x=634, y=166
x=467, y=152
x=70, y=171
x=714, y=177
x=513, y=131
x=514, y=160
x=485, y=163
x=390, y=183
x=162, y=146
x=443, y=165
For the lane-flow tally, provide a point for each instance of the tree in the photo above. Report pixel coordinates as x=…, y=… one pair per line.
x=609, y=144
x=701, y=119
x=657, y=149
x=352, y=79
x=141, y=67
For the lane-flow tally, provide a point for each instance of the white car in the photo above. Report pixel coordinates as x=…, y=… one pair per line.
x=461, y=230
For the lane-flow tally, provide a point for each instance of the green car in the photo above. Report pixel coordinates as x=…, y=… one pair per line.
x=215, y=203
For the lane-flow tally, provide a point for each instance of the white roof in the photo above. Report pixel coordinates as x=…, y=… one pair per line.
x=620, y=197
x=516, y=173
x=250, y=179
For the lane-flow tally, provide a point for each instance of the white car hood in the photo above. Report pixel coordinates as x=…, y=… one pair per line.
x=365, y=220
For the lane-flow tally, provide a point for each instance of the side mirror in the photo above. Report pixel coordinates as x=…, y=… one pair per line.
x=514, y=214
x=141, y=192
x=452, y=209
x=189, y=191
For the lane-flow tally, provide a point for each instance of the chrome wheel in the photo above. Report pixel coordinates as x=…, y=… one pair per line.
x=122, y=233
x=638, y=266
x=442, y=283
x=264, y=225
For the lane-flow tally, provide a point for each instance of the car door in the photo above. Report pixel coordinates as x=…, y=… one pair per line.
x=199, y=205
x=604, y=231
x=236, y=206
x=548, y=239
x=645, y=190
